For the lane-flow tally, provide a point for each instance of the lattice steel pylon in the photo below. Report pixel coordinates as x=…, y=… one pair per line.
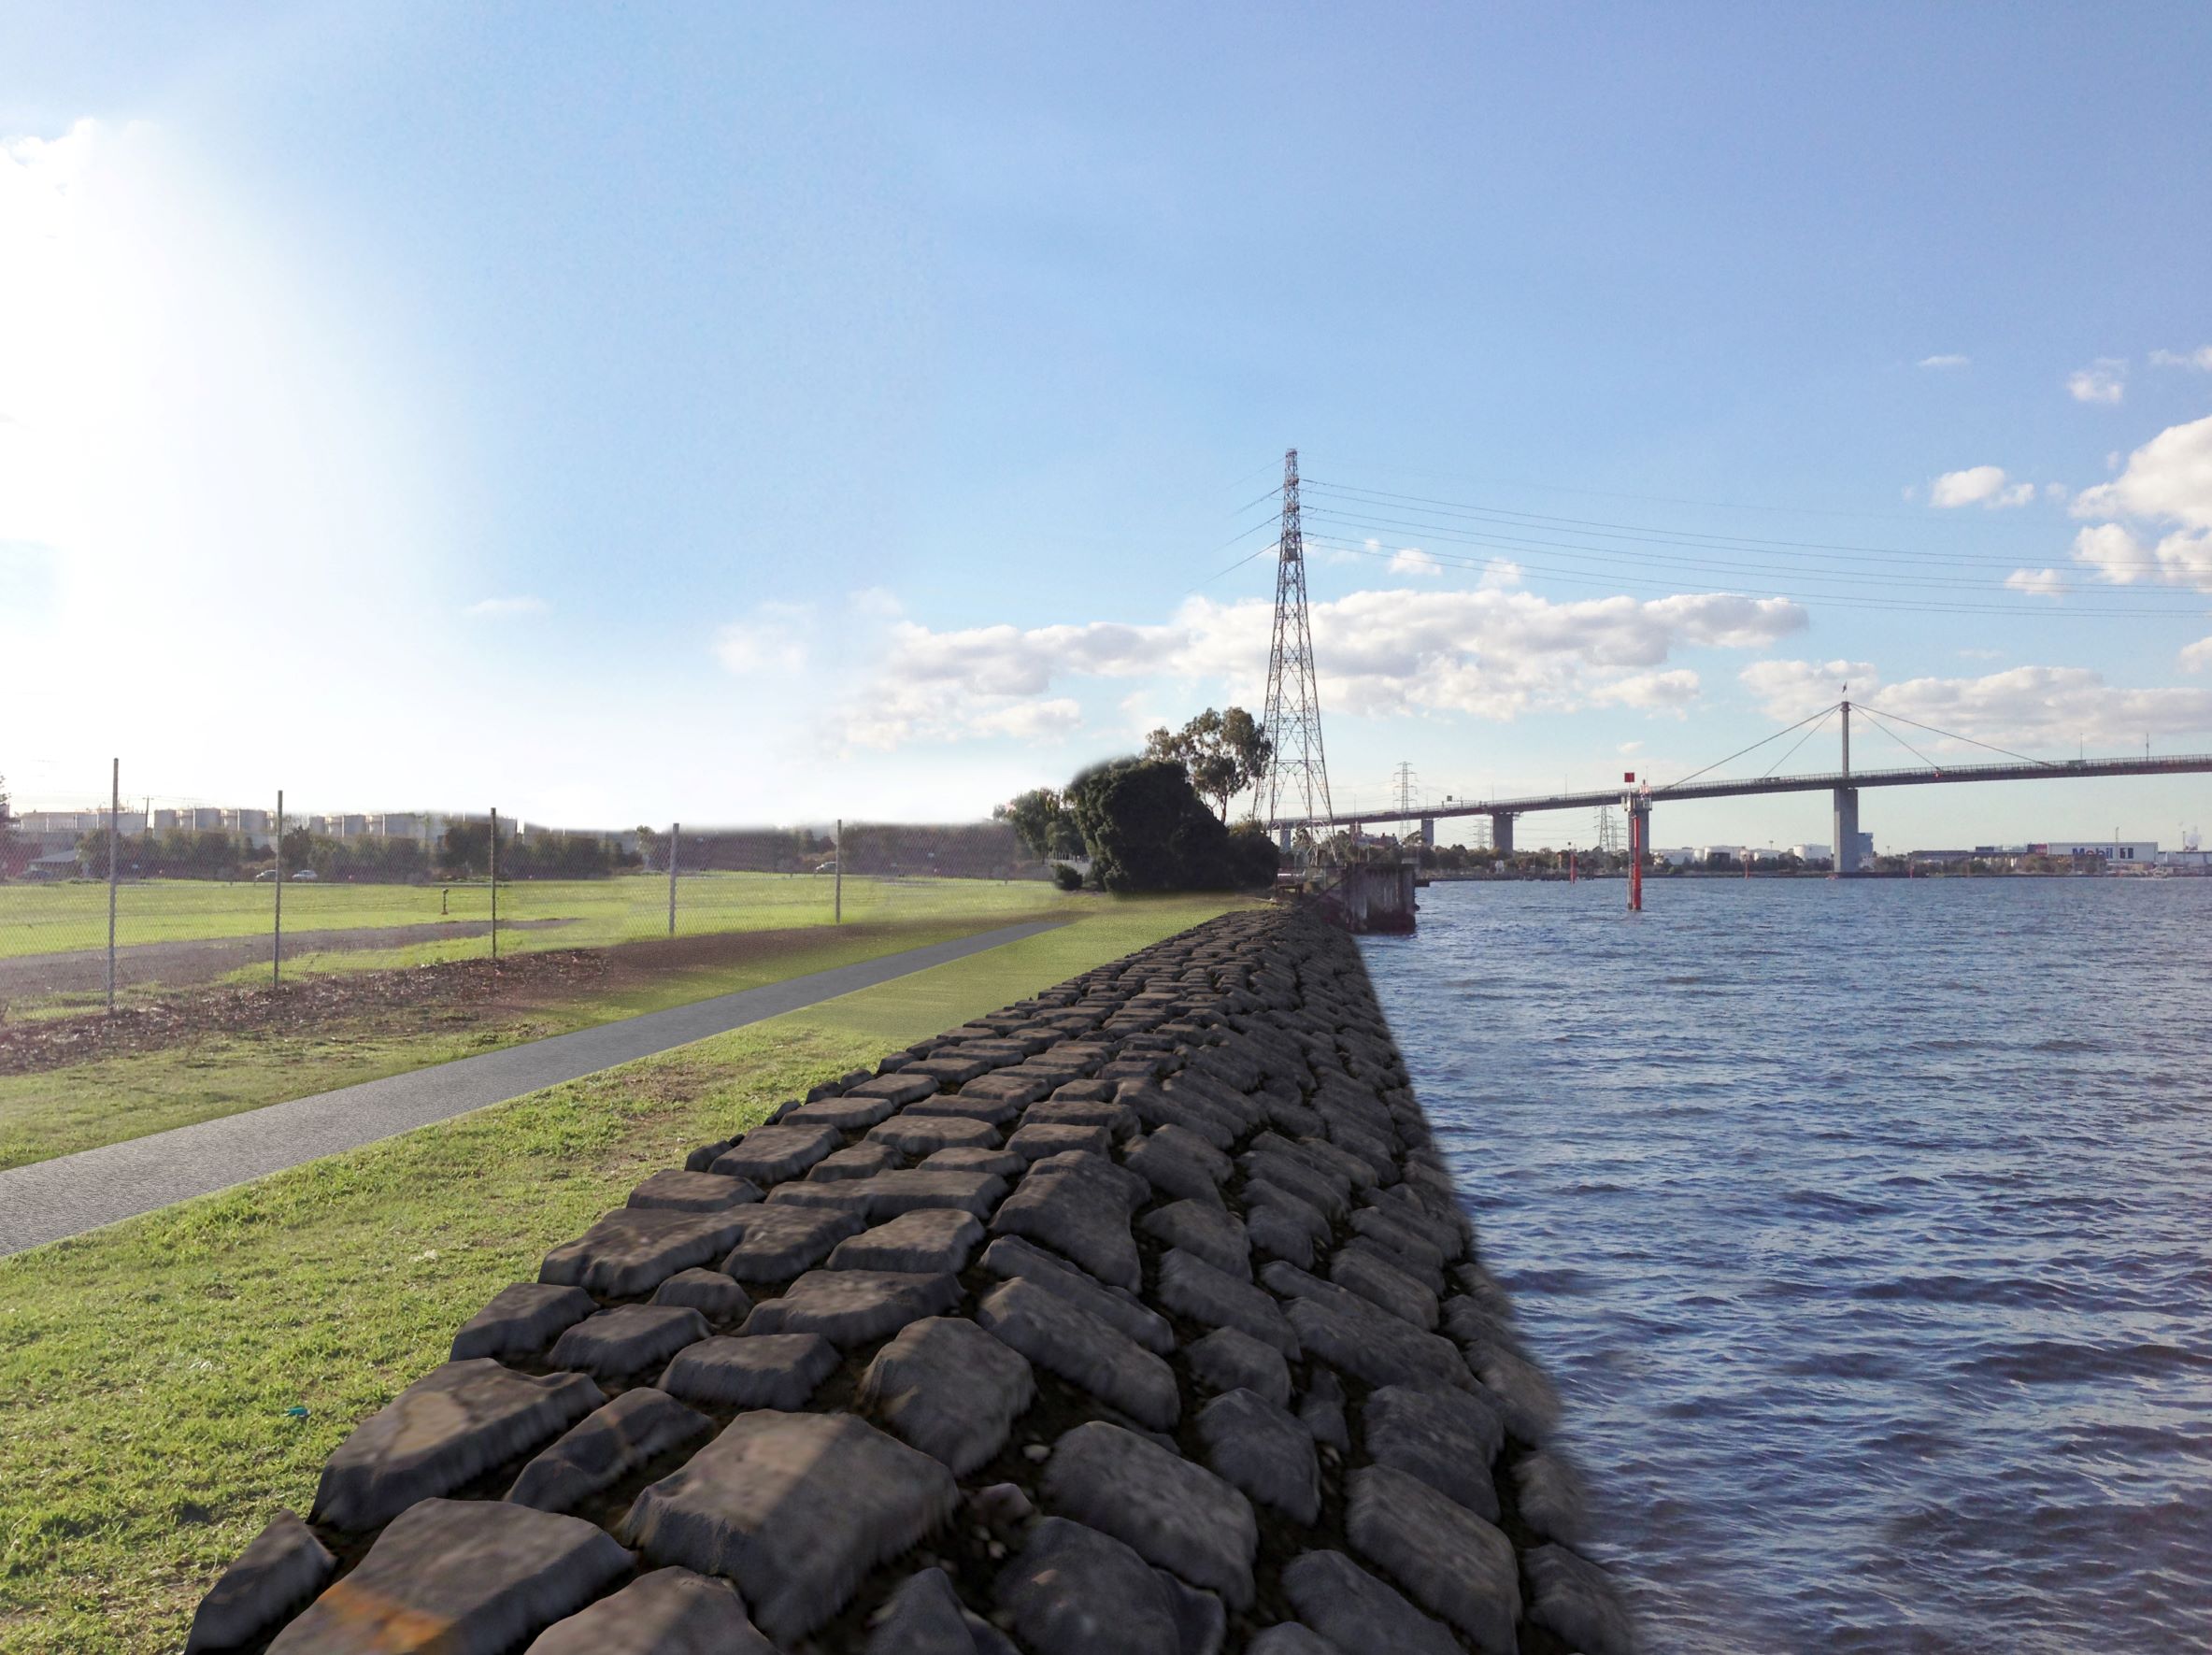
x=1297, y=769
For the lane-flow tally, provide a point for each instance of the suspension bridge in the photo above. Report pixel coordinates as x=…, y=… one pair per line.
x=1294, y=793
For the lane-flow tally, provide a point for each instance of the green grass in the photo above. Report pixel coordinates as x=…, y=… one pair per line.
x=51, y=919
x=61, y=1111
x=145, y=1370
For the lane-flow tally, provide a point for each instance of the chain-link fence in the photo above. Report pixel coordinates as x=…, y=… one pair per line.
x=125, y=900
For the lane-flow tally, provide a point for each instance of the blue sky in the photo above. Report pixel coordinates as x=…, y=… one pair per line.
x=713, y=412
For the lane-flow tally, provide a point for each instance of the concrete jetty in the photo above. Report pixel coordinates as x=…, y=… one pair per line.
x=1137, y=1317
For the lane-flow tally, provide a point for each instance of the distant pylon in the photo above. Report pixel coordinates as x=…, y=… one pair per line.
x=1608, y=831
x=1297, y=770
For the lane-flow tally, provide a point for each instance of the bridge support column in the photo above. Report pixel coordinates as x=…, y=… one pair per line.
x=1501, y=833
x=1847, y=830
x=1428, y=832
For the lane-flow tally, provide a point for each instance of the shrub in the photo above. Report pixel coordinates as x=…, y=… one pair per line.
x=1147, y=828
x=1066, y=878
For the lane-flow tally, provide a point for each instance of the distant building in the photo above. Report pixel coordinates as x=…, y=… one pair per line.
x=2113, y=850
x=1811, y=852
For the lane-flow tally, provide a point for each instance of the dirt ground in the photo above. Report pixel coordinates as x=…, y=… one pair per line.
x=205, y=959
x=455, y=994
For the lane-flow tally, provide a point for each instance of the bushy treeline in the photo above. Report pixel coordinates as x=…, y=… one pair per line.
x=969, y=849
x=972, y=850
x=739, y=851
x=464, y=851
x=1144, y=826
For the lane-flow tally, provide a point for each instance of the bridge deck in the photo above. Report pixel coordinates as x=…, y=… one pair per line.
x=2181, y=764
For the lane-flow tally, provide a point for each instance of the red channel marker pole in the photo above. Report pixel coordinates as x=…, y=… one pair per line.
x=1635, y=852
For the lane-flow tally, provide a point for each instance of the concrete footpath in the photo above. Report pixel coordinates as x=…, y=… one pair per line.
x=72, y=1194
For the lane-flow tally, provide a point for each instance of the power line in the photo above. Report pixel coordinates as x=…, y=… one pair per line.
x=1486, y=531
x=1605, y=529
x=1893, y=517
x=1923, y=606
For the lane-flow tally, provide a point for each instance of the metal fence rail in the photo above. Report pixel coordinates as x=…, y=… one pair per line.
x=127, y=899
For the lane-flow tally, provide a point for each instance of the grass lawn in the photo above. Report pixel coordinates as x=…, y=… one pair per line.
x=146, y=1370
x=60, y=1111
x=52, y=918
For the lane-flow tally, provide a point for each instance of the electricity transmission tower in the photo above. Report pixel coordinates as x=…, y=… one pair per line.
x=1297, y=771
x=1608, y=831
x=1405, y=780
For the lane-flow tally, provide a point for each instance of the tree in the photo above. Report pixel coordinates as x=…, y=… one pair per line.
x=1147, y=828
x=7, y=835
x=1223, y=752
x=468, y=847
x=1042, y=820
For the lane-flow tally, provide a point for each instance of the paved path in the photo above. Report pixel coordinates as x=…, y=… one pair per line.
x=73, y=1194
x=203, y=959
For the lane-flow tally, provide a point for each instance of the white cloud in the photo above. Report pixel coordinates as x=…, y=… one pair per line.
x=1413, y=561
x=1656, y=691
x=772, y=639
x=2031, y=709
x=2104, y=380
x=1946, y=360
x=1030, y=720
x=1493, y=653
x=2199, y=358
x=498, y=608
x=1978, y=485
x=2197, y=657
x=2045, y=709
x=1500, y=574
x=2041, y=583
x=2167, y=484
x=2170, y=475
x=1791, y=690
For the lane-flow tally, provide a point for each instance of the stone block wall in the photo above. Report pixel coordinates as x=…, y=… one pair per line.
x=1137, y=1317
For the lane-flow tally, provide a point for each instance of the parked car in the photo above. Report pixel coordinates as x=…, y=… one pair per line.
x=265, y=874
x=305, y=874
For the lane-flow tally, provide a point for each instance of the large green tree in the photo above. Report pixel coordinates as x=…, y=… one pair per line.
x=1147, y=828
x=1223, y=752
x=1041, y=820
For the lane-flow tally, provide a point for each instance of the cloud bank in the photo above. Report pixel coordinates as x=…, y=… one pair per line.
x=1492, y=653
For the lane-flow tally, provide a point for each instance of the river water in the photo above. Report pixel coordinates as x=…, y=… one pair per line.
x=1866, y=1229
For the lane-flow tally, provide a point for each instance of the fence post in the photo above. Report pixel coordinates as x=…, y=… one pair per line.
x=675, y=832
x=495, y=888
x=114, y=837
x=276, y=950
x=838, y=884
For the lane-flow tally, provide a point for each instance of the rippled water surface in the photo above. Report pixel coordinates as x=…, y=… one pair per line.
x=1867, y=1231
